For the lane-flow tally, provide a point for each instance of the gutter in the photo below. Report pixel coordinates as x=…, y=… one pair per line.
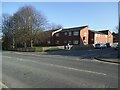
x=110, y=61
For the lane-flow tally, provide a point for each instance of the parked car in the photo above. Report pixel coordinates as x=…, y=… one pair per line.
x=108, y=45
x=100, y=46
x=116, y=48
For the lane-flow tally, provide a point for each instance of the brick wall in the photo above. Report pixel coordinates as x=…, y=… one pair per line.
x=100, y=38
x=84, y=35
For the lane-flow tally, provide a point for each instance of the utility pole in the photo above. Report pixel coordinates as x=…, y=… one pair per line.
x=119, y=30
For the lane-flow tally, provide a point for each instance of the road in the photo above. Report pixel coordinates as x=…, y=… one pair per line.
x=20, y=70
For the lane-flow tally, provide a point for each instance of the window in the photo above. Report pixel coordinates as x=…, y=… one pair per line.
x=65, y=41
x=105, y=36
x=69, y=42
x=83, y=38
x=99, y=35
x=48, y=42
x=57, y=42
x=57, y=34
x=65, y=33
x=70, y=33
x=85, y=34
x=109, y=36
x=75, y=42
x=96, y=35
x=75, y=33
x=92, y=39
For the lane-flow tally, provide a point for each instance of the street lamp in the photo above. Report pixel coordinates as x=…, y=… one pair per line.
x=119, y=30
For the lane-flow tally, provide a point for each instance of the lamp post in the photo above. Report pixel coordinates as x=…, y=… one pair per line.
x=119, y=30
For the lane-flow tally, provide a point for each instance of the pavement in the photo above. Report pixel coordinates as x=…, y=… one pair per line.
x=60, y=70
x=110, y=56
x=105, y=55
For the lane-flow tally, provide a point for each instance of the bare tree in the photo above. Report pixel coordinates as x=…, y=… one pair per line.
x=26, y=27
x=28, y=22
x=7, y=31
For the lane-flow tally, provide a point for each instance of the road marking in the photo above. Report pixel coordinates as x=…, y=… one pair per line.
x=3, y=86
x=75, y=59
x=64, y=67
x=81, y=70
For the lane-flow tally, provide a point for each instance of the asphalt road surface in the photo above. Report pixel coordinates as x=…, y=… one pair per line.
x=56, y=71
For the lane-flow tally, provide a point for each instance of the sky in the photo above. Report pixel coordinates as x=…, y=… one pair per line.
x=97, y=15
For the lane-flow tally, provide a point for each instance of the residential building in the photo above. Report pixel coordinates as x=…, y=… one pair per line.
x=81, y=36
x=74, y=36
x=97, y=37
x=48, y=39
x=109, y=36
x=115, y=37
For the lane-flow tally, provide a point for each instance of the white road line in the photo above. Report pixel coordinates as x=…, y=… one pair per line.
x=81, y=70
x=64, y=67
x=75, y=59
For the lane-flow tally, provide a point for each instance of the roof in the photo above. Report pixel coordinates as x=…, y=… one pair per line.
x=105, y=31
x=74, y=28
x=96, y=31
x=51, y=30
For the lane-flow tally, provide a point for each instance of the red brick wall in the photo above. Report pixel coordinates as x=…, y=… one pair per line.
x=62, y=37
x=91, y=37
x=84, y=33
x=100, y=38
x=110, y=37
x=84, y=38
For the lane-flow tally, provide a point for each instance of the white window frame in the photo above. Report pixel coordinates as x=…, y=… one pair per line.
x=57, y=34
x=85, y=34
x=57, y=42
x=76, y=42
x=105, y=36
x=96, y=35
x=48, y=41
x=70, y=33
x=76, y=33
x=65, y=33
x=65, y=42
x=69, y=41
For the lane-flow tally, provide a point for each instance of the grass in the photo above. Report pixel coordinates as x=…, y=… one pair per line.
x=48, y=48
x=38, y=49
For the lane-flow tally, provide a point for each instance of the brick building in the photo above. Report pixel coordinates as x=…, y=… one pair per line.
x=81, y=36
x=115, y=37
x=109, y=36
x=74, y=36
x=104, y=36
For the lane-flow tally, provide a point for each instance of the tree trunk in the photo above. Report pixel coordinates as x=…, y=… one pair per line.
x=31, y=43
x=13, y=44
x=25, y=45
